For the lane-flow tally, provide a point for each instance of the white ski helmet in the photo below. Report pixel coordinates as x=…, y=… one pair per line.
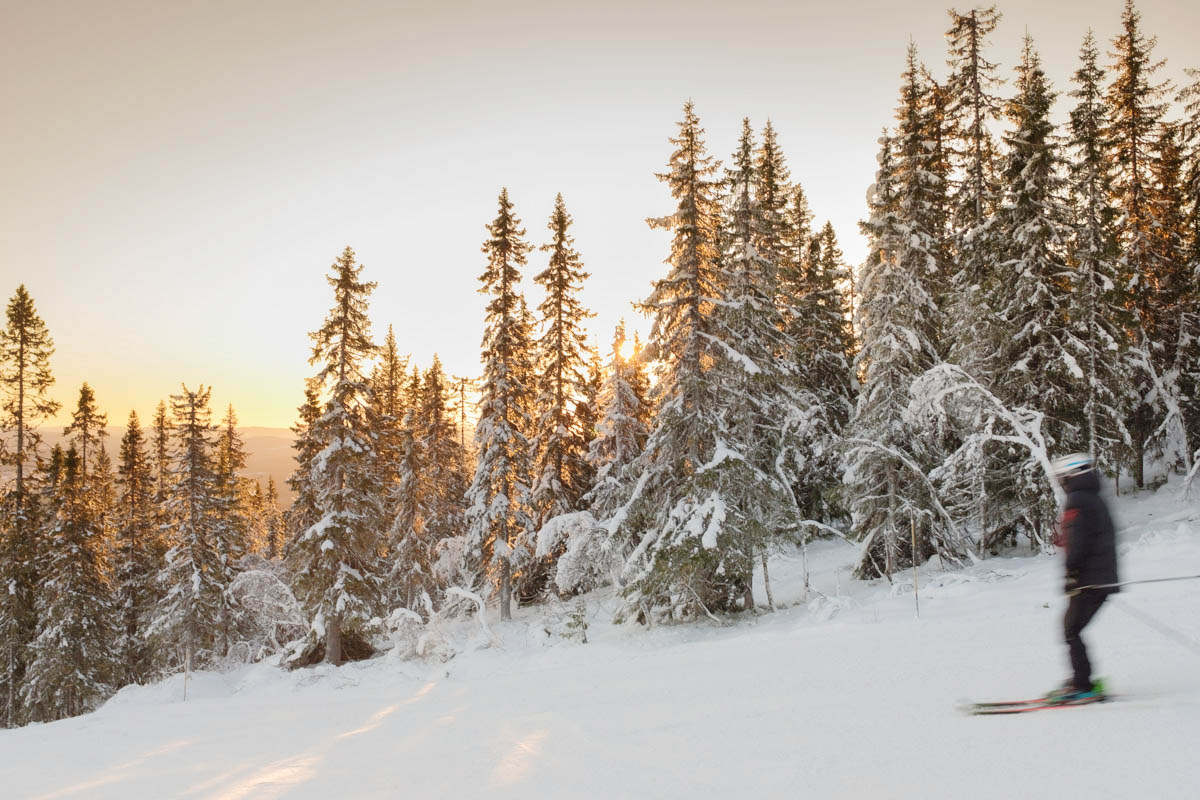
x=1074, y=464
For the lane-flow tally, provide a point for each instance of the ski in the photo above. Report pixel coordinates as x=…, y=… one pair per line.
x=1022, y=706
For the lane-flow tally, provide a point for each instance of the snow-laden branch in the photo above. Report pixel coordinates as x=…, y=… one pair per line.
x=944, y=380
x=916, y=470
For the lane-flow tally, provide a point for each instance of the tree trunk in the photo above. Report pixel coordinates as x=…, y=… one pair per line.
x=333, y=642
x=767, y=582
x=505, y=591
x=1139, y=462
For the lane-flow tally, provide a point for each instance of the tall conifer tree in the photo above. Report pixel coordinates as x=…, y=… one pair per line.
x=25, y=381
x=187, y=623
x=135, y=554
x=559, y=441
x=335, y=558
x=70, y=667
x=974, y=108
x=500, y=514
x=1098, y=309
x=1136, y=109
x=888, y=501
x=87, y=428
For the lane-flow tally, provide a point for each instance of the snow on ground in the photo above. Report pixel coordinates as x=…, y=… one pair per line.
x=846, y=695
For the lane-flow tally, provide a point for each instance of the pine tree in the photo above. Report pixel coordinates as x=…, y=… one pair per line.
x=136, y=565
x=587, y=412
x=973, y=109
x=70, y=668
x=388, y=384
x=1135, y=113
x=887, y=500
x=273, y=523
x=335, y=559
x=411, y=577
x=684, y=559
x=25, y=380
x=758, y=390
x=1174, y=291
x=188, y=623
x=771, y=194
x=623, y=427
x=428, y=495
x=1189, y=340
x=233, y=542
x=500, y=515
x=559, y=441
x=1098, y=311
x=1035, y=357
x=445, y=471
x=87, y=425
x=303, y=513
x=827, y=346
x=233, y=531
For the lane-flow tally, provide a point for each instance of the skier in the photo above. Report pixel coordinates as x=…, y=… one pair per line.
x=1085, y=530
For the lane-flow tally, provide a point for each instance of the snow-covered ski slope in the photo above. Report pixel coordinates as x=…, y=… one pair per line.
x=843, y=697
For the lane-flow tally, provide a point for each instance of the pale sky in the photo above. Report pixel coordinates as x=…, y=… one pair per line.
x=176, y=178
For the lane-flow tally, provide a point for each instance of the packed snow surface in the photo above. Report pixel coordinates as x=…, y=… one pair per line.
x=843, y=695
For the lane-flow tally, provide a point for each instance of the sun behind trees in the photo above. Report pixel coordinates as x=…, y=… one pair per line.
x=1029, y=287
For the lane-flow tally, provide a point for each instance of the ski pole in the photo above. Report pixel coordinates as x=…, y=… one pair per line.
x=1147, y=580
x=1166, y=630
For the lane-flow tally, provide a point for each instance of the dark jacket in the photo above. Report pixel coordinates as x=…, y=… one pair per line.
x=1088, y=530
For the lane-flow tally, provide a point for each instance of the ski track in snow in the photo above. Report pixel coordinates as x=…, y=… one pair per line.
x=844, y=695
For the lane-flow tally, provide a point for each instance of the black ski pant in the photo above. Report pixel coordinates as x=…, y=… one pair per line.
x=1082, y=607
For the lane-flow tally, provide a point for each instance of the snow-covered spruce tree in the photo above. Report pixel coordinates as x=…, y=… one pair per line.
x=25, y=381
x=274, y=525
x=445, y=468
x=410, y=579
x=499, y=511
x=101, y=483
x=827, y=347
x=1136, y=109
x=71, y=668
x=760, y=446
x=885, y=462
x=1097, y=314
x=234, y=541
x=235, y=524
x=187, y=621
x=588, y=412
x=974, y=109
x=591, y=554
x=334, y=560
x=772, y=193
x=1189, y=342
x=135, y=553
x=428, y=493
x=797, y=253
x=558, y=441
x=1034, y=358
x=623, y=427
x=389, y=395
x=1174, y=291
x=303, y=513
x=87, y=428
x=684, y=557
